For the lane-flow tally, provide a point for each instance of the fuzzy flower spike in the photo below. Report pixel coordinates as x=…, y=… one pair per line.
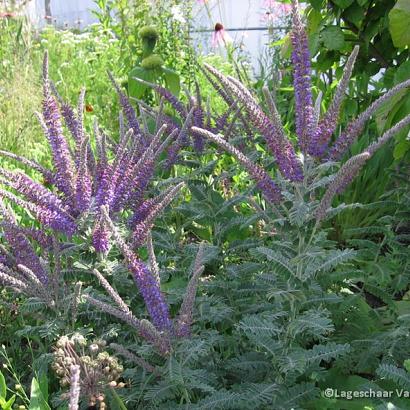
x=145, y=280
x=302, y=80
x=52, y=126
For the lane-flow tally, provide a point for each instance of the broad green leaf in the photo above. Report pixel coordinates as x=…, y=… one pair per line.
x=325, y=60
x=135, y=88
x=172, y=80
x=37, y=401
x=314, y=43
x=400, y=149
x=314, y=20
x=386, y=112
x=402, y=73
x=317, y=4
x=343, y=4
x=286, y=48
x=333, y=38
x=3, y=387
x=355, y=14
x=399, y=22
x=43, y=383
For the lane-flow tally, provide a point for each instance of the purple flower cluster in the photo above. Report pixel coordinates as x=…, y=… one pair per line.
x=81, y=183
x=88, y=189
x=314, y=132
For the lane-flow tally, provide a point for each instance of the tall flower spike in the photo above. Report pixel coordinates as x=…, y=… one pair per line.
x=83, y=180
x=36, y=286
x=48, y=217
x=160, y=115
x=327, y=125
x=137, y=174
x=275, y=116
x=281, y=148
x=128, y=109
x=302, y=80
x=167, y=95
x=343, y=178
x=142, y=211
x=354, y=128
x=68, y=114
x=110, y=290
x=318, y=104
x=101, y=236
x=185, y=314
x=180, y=142
x=229, y=99
x=146, y=282
x=260, y=176
x=51, y=123
x=32, y=190
x=11, y=281
x=23, y=251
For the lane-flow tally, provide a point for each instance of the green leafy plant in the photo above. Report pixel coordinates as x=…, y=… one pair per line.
x=151, y=67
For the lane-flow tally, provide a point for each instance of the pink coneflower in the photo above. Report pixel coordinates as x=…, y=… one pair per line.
x=220, y=37
x=203, y=2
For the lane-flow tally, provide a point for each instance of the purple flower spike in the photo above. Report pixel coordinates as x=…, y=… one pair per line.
x=101, y=236
x=302, y=81
x=33, y=191
x=327, y=125
x=145, y=280
x=105, y=191
x=23, y=251
x=151, y=293
x=344, y=176
x=198, y=119
x=49, y=217
x=355, y=127
x=142, y=212
x=51, y=123
x=83, y=183
x=128, y=109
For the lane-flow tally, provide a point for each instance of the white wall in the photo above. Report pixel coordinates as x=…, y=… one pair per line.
x=231, y=13
x=71, y=13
